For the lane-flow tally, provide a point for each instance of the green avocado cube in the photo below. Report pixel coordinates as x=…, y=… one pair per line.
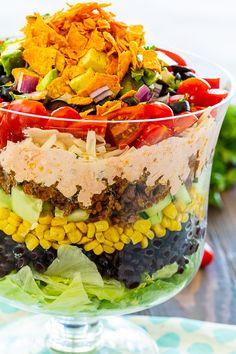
x=5, y=199
x=82, y=81
x=47, y=79
x=95, y=60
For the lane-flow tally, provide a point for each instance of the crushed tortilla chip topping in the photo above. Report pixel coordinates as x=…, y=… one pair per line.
x=63, y=40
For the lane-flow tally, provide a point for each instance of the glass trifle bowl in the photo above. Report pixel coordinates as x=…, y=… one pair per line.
x=104, y=195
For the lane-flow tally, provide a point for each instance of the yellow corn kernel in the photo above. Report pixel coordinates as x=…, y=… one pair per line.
x=22, y=231
x=46, y=235
x=58, y=221
x=170, y=211
x=129, y=231
x=150, y=235
x=18, y=238
x=74, y=236
x=9, y=229
x=119, y=229
x=159, y=230
x=142, y=226
x=125, y=239
x=57, y=233
x=101, y=226
x=91, y=245
x=112, y=235
x=26, y=224
x=31, y=242
x=185, y=217
x=100, y=237
x=108, y=249
x=136, y=237
x=82, y=227
x=98, y=250
x=3, y=224
x=91, y=230
x=66, y=241
x=69, y=227
x=119, y=246
x=84, y=240
x=175, y=226
x=4, y=213
x=108, y=243
x=45, y=218
x=144, y=242
x=45, y=244
x=13, y=221
x=40, y=229
x=165, y=222
x=55, y=245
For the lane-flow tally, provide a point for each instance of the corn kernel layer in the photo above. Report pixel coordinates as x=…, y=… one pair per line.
x=99, y=236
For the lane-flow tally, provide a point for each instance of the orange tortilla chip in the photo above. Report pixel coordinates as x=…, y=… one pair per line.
x=136, y=33
x=134, y=52
x=109, y=38
x=76, y=41
x=150, y=60
x=96, y=41
x=89, y=24
x=128, y=94
x=112, y=66
x=72, y=71
x=124, y=62
x=17, y=71
x=109, y=107
x=58, y=88
x=41, y=60
x=82, y=101
x=100, y=80
x=60, y=61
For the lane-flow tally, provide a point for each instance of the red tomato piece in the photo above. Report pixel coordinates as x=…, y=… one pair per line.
x=208, y=256
x=176, y=57
x=214, y=82
x=80, y=129
x=176, y=98
x=178, y=125
x=125, y=133
x=153, y=134
x=17, y=122
x=193, y=87
x=210, y=98
x=63, y=113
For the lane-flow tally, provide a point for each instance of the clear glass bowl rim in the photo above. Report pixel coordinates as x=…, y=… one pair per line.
x=227, y=74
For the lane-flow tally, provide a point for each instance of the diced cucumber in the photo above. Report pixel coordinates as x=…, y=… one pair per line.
x=203, y=181
x=156, y=219
x=183, y=195
x=5, y=199
x=156, y=208
x=76, y=216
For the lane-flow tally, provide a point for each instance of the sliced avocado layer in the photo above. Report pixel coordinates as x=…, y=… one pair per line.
x=5, y=199
x=26, y=206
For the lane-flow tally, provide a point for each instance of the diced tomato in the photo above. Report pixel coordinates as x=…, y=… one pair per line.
x=178, y=125
x=214, y=82
x=153, y=134
x=210, y=98
x=80, y=129
x=193, y=87
x=208, y=256
x=176, y=57
x=125, y=133
x=63, y=113
x=17, y=122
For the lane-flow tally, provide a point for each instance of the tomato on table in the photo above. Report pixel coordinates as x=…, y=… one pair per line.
x=125, y=133
x=153, y=134
x=62, y=113
x=176, y=57
x=15, y=123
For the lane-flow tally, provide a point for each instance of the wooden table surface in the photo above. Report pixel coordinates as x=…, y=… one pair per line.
x=212, y=294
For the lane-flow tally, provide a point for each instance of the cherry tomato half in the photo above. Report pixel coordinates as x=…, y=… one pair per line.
x=178, y=125
x=214, y=82
x=210, y=98
x=125, y=133
x=80, y=129
x=176, y=57
x=16, y=123
x=63, y=113
x=193, y=87
x=153, y=134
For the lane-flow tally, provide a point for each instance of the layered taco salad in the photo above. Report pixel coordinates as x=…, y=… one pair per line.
x=103, y=176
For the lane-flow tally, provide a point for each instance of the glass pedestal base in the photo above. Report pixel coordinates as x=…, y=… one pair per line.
x=112, y=335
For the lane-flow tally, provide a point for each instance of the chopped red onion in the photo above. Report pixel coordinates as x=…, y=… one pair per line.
x=143, y=94
x=157, y=88
x=27, y=83
x=164, y=99
x=103, y=95
x=99, y=91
